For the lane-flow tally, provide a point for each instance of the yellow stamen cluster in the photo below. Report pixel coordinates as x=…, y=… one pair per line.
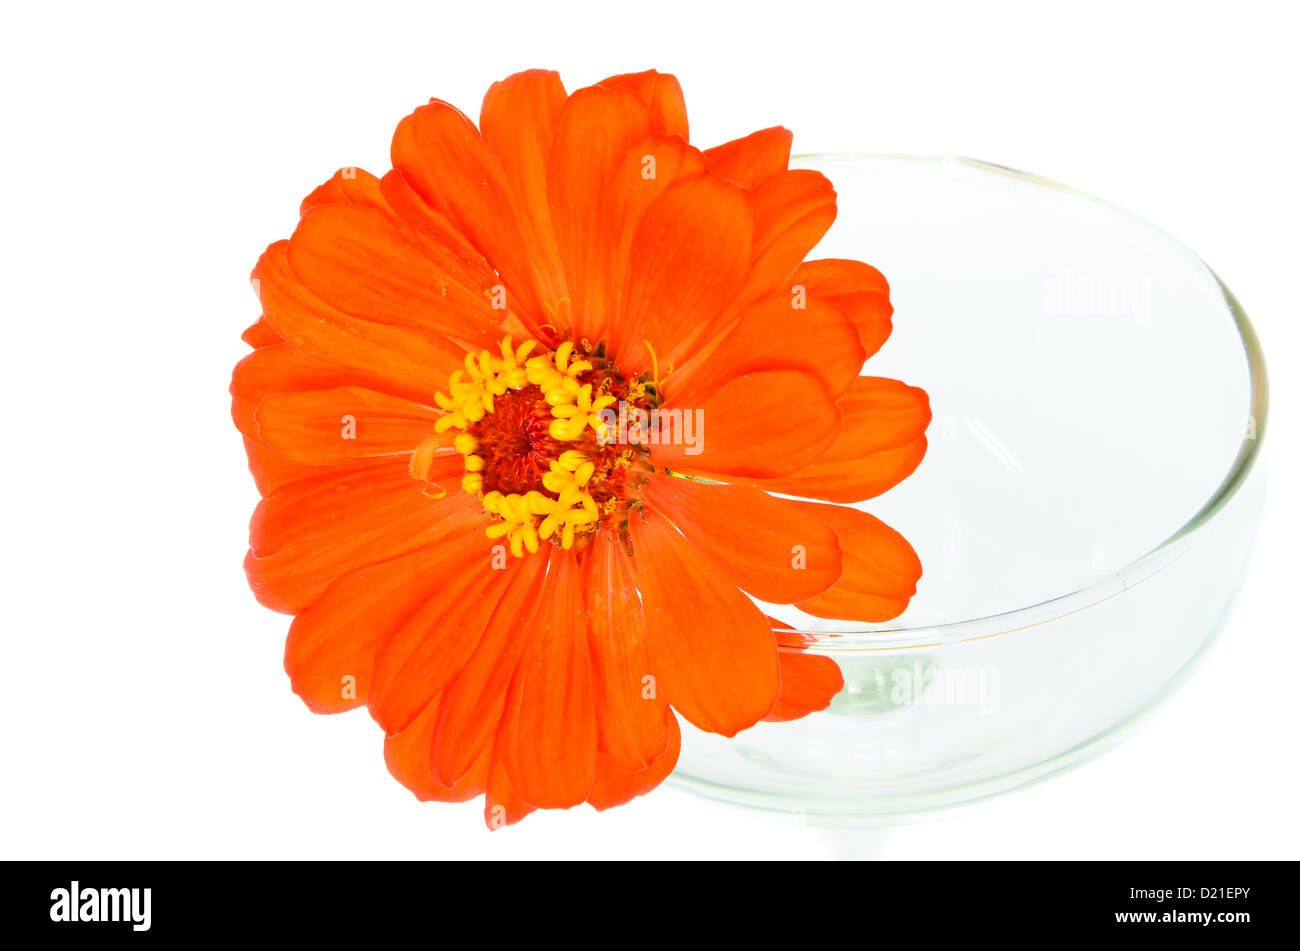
x=528, y=519
x=532, y=518
x=573, y=404
x=485, y=376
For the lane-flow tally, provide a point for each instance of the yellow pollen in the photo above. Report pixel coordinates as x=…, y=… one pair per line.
x=567, y=508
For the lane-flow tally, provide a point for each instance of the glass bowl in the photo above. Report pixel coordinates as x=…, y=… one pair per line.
x=1084, y=514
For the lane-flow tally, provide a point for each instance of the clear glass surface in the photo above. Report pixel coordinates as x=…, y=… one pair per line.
x=1084, y=514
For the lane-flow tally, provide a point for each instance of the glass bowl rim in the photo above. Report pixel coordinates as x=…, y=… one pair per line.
x=1044, y=612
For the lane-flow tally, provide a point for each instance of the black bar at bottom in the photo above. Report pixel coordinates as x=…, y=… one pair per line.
x=570, y=904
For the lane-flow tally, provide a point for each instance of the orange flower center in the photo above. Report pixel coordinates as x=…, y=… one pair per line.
x=539, y=433
x=515, y=443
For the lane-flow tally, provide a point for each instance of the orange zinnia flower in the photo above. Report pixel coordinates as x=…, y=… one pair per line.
x=446, y=411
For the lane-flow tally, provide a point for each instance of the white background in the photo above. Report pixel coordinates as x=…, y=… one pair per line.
x=153, y=151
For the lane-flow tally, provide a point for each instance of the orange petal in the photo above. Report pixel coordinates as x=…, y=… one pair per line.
x=438, y=640
x=650, y=167
x=744, y=427
x=808, y=684
x=792, y=212
x=689, y=257
x=338, y=426
x=306, y=534
x=369, y=264
x=261, y=334
x=856, y=288
x=331, y=647
x=633, y=717
x=778, y=333
x=270, y=472
x=347, y=186
x=407, y=755
x=473, y=702
x=278, y=368
x=773, y=549
x=615, y=785
x=548, y=733
x=838, y=277
x=281, y=368
x=445, y=160
x=415, y=362
x=518, y=120
x=502, y=805
x=712, y=651
x=662, y=95
x=753, y=159
x=596, y=129
x=456, y=264
x=881, y=443
x=880, y=568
